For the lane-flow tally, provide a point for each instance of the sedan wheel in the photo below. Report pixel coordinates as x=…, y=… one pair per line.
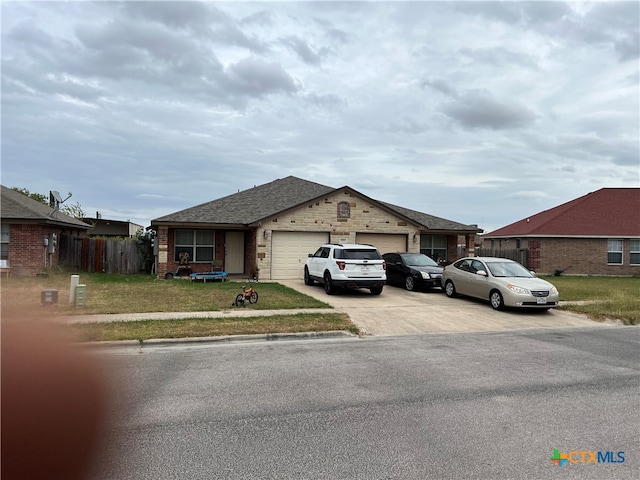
x=450, y=289
x=409, y=284
x=496, y=300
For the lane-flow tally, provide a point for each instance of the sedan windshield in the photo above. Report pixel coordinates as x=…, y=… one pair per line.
x=419, y=260
x=508, y=269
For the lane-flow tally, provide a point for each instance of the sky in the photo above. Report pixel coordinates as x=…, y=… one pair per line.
x=478, y=112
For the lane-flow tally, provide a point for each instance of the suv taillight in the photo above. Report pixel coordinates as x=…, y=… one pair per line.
x=340, y=264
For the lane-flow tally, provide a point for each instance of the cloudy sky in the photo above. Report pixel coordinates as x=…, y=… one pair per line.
x=478, y=112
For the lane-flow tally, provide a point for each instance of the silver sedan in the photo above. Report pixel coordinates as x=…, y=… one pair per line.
x=503, y=282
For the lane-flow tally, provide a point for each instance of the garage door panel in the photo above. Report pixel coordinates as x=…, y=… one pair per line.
x=384, y=242
x=289, y=252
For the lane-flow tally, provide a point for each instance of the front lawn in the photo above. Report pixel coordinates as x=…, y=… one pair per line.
x=107, y=293
x=601, y=297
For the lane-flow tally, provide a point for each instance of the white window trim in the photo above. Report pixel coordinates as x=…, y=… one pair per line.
x=634, y=251
x=5, y=226
x=194, y=245
x=621, y=251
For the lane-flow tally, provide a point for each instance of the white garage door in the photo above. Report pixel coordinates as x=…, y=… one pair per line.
x=384, y=242
x=289, y=251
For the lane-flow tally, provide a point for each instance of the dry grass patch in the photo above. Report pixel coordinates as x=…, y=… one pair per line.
x=210, y=327
x=605, y=297
x=144, y=293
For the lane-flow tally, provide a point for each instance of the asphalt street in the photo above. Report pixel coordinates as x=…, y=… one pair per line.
x=445, y=406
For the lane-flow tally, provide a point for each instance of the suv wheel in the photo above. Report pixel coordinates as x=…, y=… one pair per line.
x=307, y=279
x=376, y=290
x=328, y=285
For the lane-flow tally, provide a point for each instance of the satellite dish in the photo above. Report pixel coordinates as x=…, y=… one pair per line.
x=55, y=196
x=55, y=200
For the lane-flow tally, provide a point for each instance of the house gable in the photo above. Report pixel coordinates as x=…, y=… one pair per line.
x=250, y=206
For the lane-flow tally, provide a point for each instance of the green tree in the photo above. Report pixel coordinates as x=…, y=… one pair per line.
x=36, y=196
x=73, y=210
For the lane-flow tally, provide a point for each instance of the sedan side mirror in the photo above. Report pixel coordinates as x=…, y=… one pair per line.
x=481, y=273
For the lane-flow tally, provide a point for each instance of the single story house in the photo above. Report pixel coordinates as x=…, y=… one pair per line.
x=104, y=227
x=596, y=234
x=270, y=229
x=30, y=233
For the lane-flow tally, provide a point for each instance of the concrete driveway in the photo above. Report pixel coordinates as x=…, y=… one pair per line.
x=399, y=312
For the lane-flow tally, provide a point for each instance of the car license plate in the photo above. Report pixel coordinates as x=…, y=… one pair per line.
x=541, y=300
x=364, y=268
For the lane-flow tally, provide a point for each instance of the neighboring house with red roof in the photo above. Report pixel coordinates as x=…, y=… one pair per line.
x=596, y=234
x=271, y=229
x=30, y=233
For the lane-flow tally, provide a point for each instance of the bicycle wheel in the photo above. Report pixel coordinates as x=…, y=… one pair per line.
x=253, y=298
x=239, y=300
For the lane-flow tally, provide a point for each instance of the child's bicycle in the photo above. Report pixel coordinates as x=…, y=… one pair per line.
x=248, y=294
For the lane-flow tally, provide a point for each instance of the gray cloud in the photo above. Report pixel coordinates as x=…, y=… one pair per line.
x=481, y=110
x=132, y=104
x=256, y=77
x=303, y=50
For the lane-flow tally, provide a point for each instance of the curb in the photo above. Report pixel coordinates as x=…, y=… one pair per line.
x=223, y=339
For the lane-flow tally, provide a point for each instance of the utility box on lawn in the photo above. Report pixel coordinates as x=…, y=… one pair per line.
x=81, y=295
x=49, y=296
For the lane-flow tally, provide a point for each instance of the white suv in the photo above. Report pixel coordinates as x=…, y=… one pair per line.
x=351, y=266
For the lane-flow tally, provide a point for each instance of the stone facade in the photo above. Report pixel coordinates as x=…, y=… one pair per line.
x=320, y=216
x=323, y=216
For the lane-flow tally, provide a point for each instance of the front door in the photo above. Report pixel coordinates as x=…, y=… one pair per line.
x=234, y=252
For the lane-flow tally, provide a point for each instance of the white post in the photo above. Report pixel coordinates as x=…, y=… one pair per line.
x=75, y=280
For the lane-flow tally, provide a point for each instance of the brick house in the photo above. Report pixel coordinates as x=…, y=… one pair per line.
x=270, y=229
x=30, y=231
x=596, y=234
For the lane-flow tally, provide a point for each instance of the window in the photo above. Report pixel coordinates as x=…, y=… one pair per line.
x=198, y=245
x=4, y=243
x=434, y=246
x=634, y=252
x=614, y=252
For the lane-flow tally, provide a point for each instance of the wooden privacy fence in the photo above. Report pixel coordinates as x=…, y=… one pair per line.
x=108, y=255
x=520, y=255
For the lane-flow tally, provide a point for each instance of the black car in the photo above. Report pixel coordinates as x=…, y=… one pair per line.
x=412, y=271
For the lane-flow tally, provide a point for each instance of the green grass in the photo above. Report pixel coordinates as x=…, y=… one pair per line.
x=604, y=297
x=198, y=327
x=144, y=293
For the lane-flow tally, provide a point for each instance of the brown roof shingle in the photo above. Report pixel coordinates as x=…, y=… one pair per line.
x=261, y=202
x=18, y=207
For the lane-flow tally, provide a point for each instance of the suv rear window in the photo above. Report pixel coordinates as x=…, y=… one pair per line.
x=357, y=254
